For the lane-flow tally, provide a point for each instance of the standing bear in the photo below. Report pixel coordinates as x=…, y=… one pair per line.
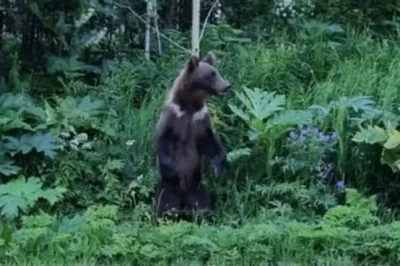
x=184, y=135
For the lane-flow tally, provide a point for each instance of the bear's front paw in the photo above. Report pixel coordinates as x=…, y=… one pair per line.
x=218, y=164
x=216, y=170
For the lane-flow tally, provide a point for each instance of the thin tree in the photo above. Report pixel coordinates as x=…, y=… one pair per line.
x=195, y=27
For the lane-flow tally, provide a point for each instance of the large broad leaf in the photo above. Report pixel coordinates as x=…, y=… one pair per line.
x=371, y=135
x=22, y=195
x=261, y=104
x=41, y=142
x=356, y=103
x=236, y=154
x=393, y=141
x=7, y=166
x=392, y=159
x=239, y=112
x=291, y=117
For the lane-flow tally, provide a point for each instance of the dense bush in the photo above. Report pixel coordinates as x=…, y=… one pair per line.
x=311, y=127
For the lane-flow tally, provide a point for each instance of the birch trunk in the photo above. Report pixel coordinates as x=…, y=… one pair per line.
x=147, y=38
x=195, y=27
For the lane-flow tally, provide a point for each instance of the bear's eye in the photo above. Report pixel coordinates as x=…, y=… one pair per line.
x=212, y=74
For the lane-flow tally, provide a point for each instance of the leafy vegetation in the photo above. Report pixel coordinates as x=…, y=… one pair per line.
x=311, y=127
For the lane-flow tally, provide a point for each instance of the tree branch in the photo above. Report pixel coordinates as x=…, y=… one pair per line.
x=207, y=18
x=144, y=21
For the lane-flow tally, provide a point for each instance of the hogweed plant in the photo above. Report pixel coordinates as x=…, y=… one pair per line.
x=265, y=115
x=388, y=138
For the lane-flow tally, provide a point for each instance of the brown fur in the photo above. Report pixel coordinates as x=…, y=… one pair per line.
x=184, y=135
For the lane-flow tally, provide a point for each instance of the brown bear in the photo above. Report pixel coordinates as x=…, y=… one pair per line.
x=184, y=135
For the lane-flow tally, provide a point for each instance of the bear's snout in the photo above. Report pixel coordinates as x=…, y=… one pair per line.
x=226, y=87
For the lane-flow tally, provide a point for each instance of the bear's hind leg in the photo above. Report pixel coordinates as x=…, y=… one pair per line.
x=200, y=201
x=168, y=202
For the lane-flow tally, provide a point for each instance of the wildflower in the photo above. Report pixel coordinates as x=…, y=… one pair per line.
x=293, y=135
x=323, y=137
x=65, y=134
x=87, y=146
x=82, y=137
x=130, y=142
x=340, y=184
x=73, y=146
x=335, y=136
x=74, y=142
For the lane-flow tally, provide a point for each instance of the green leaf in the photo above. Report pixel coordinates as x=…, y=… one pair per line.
x=392, y=159
x=42, y=142
x=10, y=205
x=356, y=103
x=292, y=117
x=21, y=195
x=393, y=141
x=236, y=154
x=371, y=135
x=261, y=104
x=239, y=112
x=52, y=195
x=7, y=166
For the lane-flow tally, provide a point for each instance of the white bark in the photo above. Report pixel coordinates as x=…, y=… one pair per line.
x=195, y=27
x=147, y=38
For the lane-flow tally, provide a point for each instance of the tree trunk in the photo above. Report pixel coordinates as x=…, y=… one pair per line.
x=195, y=27
x=147, y=38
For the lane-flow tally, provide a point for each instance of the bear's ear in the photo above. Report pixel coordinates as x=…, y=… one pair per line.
x=210, y=59
x=193, y=63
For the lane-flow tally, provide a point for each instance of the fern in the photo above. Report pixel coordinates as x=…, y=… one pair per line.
x=358, y=213
x=21, y=195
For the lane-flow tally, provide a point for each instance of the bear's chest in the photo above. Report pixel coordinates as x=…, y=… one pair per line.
x=188, y=129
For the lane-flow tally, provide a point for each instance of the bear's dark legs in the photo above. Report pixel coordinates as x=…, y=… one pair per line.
x=168, y=201
x=199, y=201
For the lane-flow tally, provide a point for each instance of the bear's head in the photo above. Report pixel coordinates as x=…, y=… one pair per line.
x=198, y=80
x=203, y=79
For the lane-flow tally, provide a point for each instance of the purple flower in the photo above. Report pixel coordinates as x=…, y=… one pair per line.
x=293, y=135
x=340, y=184
x=335, y=136
x=323, y=137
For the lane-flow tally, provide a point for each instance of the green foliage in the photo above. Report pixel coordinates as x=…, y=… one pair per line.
x=21, y=195
x=41, y=142
x=22, y=132
x=262, y=105
x=98, y=234
x=70, y=111
x=388, y=138
x=358, y=214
